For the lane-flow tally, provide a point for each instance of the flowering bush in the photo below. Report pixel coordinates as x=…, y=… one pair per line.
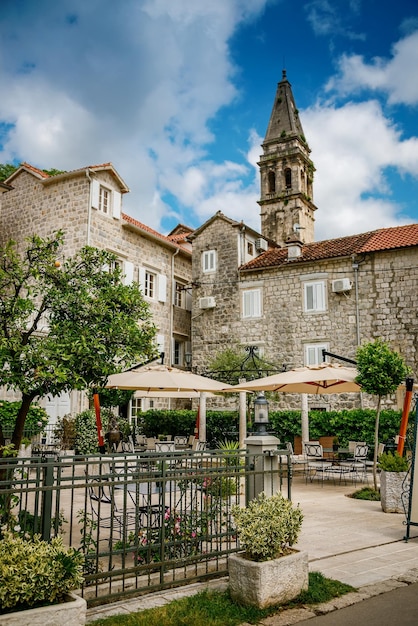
x=36, y=572
x=268, y=526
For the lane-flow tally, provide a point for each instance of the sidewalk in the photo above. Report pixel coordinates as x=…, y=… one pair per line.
x=349, y=540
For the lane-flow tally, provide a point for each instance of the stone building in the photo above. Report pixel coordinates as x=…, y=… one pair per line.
x=87, y=205
x=293, y=297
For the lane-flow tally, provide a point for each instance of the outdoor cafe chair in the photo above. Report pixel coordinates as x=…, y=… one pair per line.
x=316, y=465
x=357, y=464
x=105, y=509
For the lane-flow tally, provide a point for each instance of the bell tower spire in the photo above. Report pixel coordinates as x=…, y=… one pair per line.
x=286, y=171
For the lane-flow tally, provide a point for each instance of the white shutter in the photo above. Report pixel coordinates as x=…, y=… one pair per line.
x=160, y=343
x=95, y=191
x=162, y=288
x=117, y=201
x=188, y=302
x=142, y=278
x=128, y=269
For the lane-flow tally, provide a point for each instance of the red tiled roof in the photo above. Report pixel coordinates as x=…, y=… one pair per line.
x=382, y=239
x=151, y=231
x=35, y=170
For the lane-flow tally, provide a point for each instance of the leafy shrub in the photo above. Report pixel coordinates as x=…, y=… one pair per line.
x=268, y=526
x=393, y=462
x=35, y=423
x=36, y=572
x=86, y=441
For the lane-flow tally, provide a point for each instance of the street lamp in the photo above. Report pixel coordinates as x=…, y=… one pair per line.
x=188, y=359
x=261, y=413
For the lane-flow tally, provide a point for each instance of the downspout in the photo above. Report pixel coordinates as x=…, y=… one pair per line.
x=355, y=267
x=172, y=306
x=89, y=207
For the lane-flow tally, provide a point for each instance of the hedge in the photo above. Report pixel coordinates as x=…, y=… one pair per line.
x=348, y=425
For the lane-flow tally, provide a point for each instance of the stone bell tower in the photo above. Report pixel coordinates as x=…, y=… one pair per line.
x=286, y=171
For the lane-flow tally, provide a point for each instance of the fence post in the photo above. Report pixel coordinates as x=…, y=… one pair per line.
x=46, y=505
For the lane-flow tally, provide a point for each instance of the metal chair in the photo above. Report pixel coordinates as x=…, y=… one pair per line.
x=316, y=465
x=106, y=511
x=357, y=465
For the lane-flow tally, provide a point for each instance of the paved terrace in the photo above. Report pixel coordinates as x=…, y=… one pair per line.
x=350, y=540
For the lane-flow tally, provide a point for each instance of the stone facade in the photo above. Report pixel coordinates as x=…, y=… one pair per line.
x=39, y=204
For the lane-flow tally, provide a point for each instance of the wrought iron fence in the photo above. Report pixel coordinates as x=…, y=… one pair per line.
x=143, y=521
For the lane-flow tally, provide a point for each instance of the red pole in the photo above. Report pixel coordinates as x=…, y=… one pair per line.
x=409, y=384
x=99, y=423
x=197, y=425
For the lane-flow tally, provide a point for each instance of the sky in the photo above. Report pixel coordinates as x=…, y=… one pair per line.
x=177, y=94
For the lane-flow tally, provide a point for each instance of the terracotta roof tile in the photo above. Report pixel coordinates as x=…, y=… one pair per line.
x=28, y=166
x=382, y=239
x=151, y=231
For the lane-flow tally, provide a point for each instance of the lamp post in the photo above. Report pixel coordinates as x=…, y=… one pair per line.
x=261, y=414
x=188, y=359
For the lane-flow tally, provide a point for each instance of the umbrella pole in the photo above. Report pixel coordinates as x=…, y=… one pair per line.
x=409, y=383
x=99, y=423
x=305, y=418
x=202, y=417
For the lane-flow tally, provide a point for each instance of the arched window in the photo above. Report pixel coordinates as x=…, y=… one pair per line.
x=288, y=178
x=272, y=182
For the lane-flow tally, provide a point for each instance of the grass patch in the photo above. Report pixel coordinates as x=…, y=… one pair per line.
x=366, y=493
x=215, y=608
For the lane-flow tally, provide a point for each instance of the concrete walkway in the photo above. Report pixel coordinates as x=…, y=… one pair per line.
x=349, y=540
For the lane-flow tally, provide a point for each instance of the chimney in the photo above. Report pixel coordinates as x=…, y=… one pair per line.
x=294, y=248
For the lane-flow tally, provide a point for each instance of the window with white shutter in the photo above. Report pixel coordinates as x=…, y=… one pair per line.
x=251, y=303
x=313, y=353
x=209, y=261
x=314, y=296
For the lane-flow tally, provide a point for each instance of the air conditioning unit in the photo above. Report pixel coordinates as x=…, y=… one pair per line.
x=261, y=245
x=207, y=303
x=341, y=284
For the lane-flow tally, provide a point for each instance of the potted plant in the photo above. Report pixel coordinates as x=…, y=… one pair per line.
x=269, y=571
x=335, y=444
x=393, y=481
x=36, y=581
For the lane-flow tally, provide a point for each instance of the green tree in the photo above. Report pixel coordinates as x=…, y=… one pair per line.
x=380, y=372
x=66, y=326
x=6, y=170
x=232, y=364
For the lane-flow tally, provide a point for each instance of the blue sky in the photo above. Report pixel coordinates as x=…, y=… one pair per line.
x=177, y=94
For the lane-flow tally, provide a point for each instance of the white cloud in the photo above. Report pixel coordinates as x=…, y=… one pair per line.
x=397, y=76
x=352, y=146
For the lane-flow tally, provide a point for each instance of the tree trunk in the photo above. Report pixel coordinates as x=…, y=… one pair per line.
x=20, y=419
x=376, y=442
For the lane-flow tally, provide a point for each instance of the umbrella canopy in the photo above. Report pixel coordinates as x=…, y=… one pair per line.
x=316, y=379
x=187, y=395
x=164, y=378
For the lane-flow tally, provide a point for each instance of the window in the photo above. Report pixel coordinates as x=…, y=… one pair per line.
x=209, y=261
x=250, y=248
x=288, y=178
x=313, y=353
x=104, y=200
x=179, y=295
x=135, y=407
x=149, y=287
x=314, y=296
x=251, y=303
x=272, y=182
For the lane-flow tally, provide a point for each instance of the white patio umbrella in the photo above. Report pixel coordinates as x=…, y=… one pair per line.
x=324, y=378
x=162, y=378
x=314, y=379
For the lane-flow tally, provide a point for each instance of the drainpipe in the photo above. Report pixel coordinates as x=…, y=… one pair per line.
x=172, y=306
x=355, y=267
x=89, y=208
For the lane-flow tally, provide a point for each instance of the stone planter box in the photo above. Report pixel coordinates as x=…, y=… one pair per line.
x=392, y=484
x=266, y=583
x=69, y=613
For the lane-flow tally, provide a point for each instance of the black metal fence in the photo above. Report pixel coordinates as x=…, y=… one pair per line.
x=143, y=521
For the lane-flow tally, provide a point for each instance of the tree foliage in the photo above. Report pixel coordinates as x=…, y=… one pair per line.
x=380, y=371
x=6, y=170
x=66, y=325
